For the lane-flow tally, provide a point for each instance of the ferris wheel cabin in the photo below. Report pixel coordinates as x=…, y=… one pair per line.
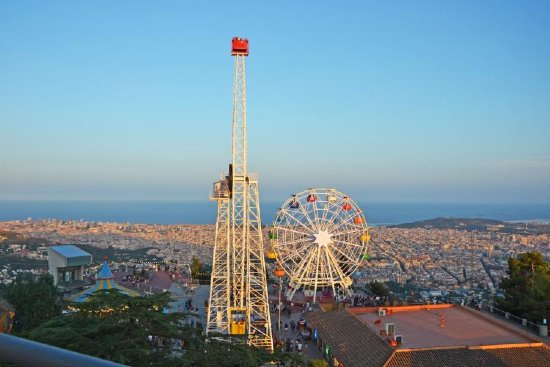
x=270, y=256
x=239, y=46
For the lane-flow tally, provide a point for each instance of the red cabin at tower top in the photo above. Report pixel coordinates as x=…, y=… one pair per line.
x=239, y=46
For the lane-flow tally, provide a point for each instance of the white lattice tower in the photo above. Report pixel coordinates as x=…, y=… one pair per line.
x=238, y=268
x=239, y=202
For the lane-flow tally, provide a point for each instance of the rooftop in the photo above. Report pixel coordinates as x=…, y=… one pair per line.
x=354, y=344
x=105, y=272
x=467, y=339
x=69, y=251
x=421, y=327
x=534, y=354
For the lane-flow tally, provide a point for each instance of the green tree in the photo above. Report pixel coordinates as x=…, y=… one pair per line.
x=112, y=326
x=379, y=288
x=318, y=363
x=196, y=266
x=34, y=298
x=136, y=332
x=527, y=287
x=216, y=352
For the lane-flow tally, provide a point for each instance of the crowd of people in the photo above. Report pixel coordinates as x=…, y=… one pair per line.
x=364, y=301
x=299, y=333
x=295, y=345
x=190, y=307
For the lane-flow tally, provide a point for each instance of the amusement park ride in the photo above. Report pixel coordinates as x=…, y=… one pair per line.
x=239, y=303
x=318, y=239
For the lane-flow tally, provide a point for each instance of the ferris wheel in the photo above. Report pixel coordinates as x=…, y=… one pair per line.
x=319, y=237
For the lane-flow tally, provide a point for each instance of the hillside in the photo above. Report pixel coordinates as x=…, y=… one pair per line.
x=479, y=224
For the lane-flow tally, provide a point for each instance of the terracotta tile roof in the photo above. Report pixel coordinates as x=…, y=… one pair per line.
x=535, y=354
x=351, y=342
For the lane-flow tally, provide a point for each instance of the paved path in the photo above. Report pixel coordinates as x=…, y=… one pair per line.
x=312, y=351
x=197, y=296
x=202, y=292
x=160, y=281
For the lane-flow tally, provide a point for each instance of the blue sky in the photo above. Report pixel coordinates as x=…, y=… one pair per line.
x=408, y=101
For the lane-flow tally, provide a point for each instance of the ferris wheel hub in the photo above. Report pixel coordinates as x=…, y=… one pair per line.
x=322, y=238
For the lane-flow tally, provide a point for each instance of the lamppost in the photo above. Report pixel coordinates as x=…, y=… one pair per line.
x=190, y=274
x=279, y=273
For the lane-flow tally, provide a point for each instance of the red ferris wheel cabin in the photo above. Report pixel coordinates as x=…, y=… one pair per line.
x=239, y=46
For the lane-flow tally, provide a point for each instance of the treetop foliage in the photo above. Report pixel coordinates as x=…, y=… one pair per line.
x=379, y=288
x=527, y=287
x=34, y=298
x=135, y=331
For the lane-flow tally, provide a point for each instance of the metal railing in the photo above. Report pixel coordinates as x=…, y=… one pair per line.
x=219, y=195
x=519, y=321
x=29, y=353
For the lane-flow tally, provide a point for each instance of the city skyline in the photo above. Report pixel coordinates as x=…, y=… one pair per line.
x=130, y=100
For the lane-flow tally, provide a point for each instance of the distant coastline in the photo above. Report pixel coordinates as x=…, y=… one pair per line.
x=204, y=212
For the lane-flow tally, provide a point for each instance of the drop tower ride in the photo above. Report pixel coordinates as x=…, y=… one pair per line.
x=239, y=304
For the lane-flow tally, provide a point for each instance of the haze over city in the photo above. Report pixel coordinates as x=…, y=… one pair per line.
x=398, y=102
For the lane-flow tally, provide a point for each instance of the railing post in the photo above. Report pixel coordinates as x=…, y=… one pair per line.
x=524, y=322
x=491, y=309
x=543, y=330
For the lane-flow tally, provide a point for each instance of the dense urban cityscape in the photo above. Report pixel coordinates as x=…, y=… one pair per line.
x=436, y=261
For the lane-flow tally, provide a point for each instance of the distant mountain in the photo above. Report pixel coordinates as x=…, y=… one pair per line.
x=479, y=224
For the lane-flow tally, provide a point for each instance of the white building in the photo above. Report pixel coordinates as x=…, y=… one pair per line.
x=66, y=263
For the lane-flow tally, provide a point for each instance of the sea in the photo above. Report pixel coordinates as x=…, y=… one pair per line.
x=204, y=212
